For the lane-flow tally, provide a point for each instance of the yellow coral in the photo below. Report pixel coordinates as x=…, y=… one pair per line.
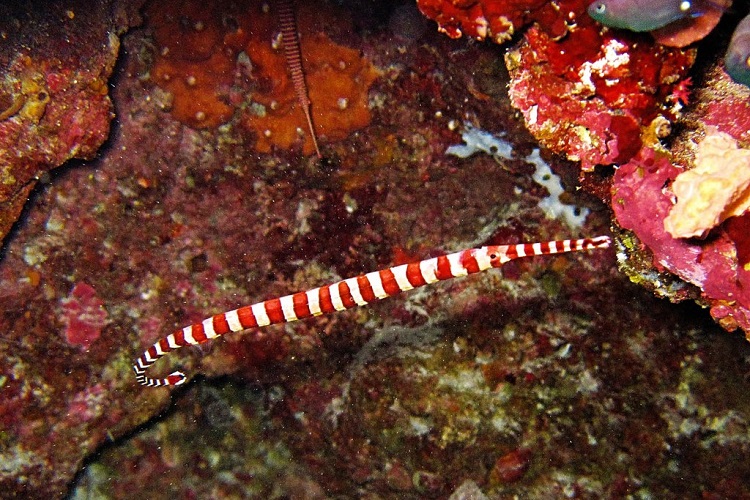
x=716, y=189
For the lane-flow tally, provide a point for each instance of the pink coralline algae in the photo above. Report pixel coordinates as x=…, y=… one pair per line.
x=584, y=93
x=641, y=203
x=84, y=315
x=590, y=96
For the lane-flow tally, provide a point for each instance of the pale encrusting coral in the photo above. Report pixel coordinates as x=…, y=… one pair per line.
x=716, y=188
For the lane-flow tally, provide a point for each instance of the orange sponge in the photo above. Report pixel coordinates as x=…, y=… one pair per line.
x=197, y=46
x=338, y=78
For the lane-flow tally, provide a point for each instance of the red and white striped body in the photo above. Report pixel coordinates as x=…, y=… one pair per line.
x=346, y=294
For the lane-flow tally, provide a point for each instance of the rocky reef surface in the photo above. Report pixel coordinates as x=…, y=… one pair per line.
x=555, y=376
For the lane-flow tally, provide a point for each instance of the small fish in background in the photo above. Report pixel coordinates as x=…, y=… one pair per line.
x=647, y=15
x=661, y=18
x=737, y=59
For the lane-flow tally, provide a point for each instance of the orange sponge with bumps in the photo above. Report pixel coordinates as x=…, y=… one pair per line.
x=338, y=79
x=197, y=46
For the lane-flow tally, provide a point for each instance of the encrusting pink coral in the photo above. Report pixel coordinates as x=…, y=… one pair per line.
x=716, y=189
x=84, y=315
x=641, y=204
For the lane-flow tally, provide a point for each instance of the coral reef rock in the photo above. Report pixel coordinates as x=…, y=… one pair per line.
x=54, y=94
